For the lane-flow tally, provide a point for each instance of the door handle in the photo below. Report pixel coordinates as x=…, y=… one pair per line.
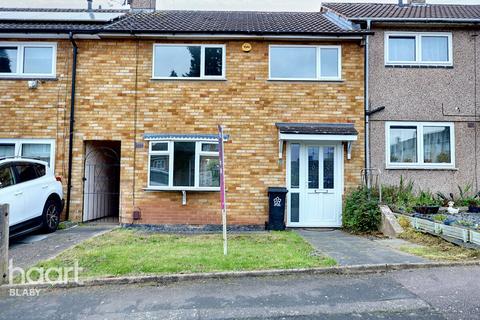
x=45, y=187
x=18, y=193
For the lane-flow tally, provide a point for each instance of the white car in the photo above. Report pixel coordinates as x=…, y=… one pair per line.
x=34, y=194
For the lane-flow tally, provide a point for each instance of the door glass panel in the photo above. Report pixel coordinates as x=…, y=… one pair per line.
x=313, y=162
x=295, y=207
x=295, y=165
x=328, y=167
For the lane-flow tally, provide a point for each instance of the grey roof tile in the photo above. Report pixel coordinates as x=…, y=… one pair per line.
x=361, y=11
x=245, y=22
x=317, y=128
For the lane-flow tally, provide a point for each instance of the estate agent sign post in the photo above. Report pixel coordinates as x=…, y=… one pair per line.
x=3, y=243
x=222, y=188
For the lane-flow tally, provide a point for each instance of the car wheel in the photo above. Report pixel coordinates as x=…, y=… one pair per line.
x=51, y=216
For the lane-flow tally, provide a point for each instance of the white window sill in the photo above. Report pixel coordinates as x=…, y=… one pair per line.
x=305, y=80
x=27, y=77
x=406, y=64
x=194, y=189
x=420, y=167
x=188, y=79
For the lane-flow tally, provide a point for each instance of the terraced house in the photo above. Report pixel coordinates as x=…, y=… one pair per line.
x=125, y=107
x=422, y=101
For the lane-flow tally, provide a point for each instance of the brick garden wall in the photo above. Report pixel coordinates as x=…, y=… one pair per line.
x=115, y=102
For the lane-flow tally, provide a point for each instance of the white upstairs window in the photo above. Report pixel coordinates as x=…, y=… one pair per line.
x=27, y=60
x=411, y=48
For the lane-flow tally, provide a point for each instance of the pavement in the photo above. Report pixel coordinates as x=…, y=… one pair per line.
x=29, y=250
x=438, y=293
x=348, y=249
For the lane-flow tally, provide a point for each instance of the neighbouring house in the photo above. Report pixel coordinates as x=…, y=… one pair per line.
x=150, y=89
x=422, y=117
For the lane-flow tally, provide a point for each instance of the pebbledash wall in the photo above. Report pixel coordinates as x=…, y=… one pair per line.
x=117, y=100
x=428, y=95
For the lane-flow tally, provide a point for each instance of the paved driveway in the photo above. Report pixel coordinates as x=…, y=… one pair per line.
x=348, y=249
x=31, y=249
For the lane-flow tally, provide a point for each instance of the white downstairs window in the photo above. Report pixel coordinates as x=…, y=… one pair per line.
x=420, y=145
x=27, y=60
x=183, y=165
x=39, y=149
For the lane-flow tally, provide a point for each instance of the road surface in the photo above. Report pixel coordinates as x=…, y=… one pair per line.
x=438, y=293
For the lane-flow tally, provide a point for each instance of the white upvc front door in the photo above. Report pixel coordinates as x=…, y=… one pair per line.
x=315, y=184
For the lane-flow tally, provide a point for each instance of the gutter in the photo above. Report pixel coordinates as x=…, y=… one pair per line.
x=422, y=20
x=72, y=122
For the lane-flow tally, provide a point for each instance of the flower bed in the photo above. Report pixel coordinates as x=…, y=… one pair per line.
x=459, y=233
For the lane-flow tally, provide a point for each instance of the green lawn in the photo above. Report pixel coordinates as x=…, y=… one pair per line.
x=435, y=248
x=130, y=252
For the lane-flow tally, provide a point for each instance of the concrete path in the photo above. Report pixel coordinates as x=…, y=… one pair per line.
x=348, y=249
x=30, y=250
x=438, y=293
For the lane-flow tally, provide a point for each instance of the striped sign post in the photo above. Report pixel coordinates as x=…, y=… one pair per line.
x=223, y=204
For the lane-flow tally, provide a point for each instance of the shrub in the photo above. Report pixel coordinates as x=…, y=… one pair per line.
x=466, y=197
x=440, y=217
x=404, y=223
x=400, y=197
x=361, y=213
x=426, y=198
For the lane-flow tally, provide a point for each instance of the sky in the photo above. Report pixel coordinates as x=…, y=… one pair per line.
x=266, y=5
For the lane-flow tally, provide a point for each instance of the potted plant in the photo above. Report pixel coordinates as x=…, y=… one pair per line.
x=474, y=204
x=426, y=203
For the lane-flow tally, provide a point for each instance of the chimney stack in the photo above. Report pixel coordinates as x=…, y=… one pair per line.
x=90, y=5
x=142, y=5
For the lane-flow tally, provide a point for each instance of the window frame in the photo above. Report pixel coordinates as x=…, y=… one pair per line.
x=418, y=49
x=202, y=61
x=170, y=152
x=420, y=164
x=318, y=70
x=20, y=60
x=19, y=147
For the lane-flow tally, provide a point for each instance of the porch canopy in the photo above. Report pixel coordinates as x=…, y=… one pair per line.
x=344, y=132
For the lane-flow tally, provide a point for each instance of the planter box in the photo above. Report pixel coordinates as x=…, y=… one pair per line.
x=424, y=225
x=455, y=232
x=473, y=209
x=427, y=209
x=475, y=237
x=438, y=228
